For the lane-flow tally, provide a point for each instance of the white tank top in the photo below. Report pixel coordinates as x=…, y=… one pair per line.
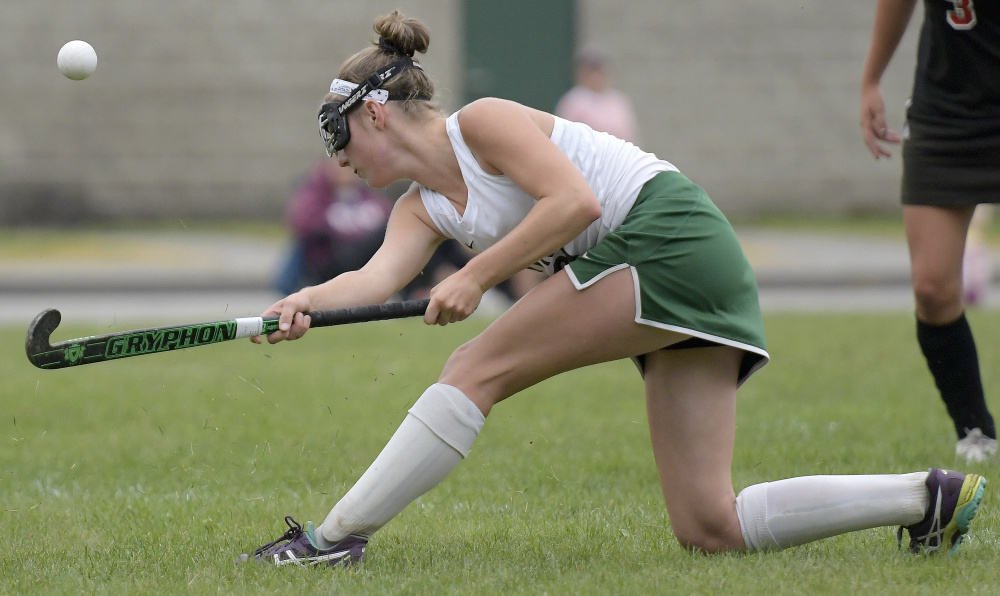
x=614, y=169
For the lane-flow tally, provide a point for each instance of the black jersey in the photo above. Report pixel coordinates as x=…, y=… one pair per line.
x=958, y=63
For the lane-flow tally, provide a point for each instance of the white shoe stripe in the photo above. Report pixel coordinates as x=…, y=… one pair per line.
x=291, y=558
x=932, y=540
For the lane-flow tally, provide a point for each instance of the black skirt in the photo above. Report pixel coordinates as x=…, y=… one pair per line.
x=951, y=164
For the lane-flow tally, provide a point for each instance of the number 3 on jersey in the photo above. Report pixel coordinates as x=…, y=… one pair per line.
x=963, y=16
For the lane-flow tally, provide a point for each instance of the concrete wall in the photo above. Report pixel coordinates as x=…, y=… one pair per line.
x=207, y=109
x=758, y=100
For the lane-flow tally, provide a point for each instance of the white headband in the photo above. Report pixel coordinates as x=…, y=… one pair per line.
x=342, y=87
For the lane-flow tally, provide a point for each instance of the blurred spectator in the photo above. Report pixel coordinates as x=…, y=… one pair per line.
x=338, y=222
x=594, y=101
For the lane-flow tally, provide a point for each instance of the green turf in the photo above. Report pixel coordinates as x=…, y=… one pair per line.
x=150, y=475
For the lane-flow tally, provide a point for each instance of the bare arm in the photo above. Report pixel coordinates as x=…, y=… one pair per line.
x=509, y=138
x=409, y=243
x=410, y=240
x=891, y=20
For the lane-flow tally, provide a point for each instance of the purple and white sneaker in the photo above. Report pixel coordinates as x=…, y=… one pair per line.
x=297, y=546
x=954, y=500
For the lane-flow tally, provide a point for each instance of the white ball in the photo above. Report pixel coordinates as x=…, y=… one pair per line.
x=77, y=60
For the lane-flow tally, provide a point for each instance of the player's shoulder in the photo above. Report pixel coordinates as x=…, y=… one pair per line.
x=488, y=110
x=410, y=198
x=411, y=202
x=485, y=120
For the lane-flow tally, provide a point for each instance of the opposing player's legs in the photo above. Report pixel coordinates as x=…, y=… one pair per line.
x=936, y=237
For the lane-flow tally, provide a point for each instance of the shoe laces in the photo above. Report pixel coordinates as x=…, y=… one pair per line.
x=294, y=532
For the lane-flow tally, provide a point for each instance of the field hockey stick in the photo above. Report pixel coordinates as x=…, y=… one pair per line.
x=138, y=342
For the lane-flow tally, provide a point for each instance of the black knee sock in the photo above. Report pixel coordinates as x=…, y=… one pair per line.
x=952, y=358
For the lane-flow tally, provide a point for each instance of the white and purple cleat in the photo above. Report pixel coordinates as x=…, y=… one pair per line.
x=297, y=546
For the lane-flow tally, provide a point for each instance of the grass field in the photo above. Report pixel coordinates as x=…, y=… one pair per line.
x=151, y=475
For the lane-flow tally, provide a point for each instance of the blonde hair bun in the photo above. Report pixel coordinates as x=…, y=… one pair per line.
x=405, y=34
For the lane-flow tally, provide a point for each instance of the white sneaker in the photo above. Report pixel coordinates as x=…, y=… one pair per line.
x=976, y=447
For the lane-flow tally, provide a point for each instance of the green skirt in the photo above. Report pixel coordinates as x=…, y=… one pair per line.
x=689, y=271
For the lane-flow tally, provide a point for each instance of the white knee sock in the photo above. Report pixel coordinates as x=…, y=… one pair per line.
x=433, y=438
x=788, y=512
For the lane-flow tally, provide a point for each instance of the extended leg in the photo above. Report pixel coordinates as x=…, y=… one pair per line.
x=437, y=433
x=525, y=345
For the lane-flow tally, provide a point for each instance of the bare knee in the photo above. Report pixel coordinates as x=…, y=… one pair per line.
x=709, y=531
x=708, y=539
x=477, y=375
x=938, y=300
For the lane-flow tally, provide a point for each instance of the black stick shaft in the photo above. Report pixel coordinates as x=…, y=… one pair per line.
x=138, y=342
x=363, y=314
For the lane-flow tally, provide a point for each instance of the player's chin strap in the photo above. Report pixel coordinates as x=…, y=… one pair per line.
x=333, y=115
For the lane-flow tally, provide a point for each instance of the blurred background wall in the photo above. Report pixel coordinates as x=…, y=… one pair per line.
x=207, y=109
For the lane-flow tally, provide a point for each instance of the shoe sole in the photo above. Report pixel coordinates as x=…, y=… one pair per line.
x=972, y=494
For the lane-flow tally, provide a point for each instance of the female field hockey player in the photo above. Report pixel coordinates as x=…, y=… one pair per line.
x=951, y=163
x=641, y=265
